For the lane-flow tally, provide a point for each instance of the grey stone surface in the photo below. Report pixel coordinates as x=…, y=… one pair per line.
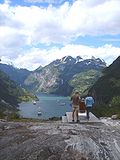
x=60, y=141
x=82, y=117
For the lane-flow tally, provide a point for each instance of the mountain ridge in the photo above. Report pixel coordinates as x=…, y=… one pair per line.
x=9, y=89
x=16, y=74
x=56, y=76
x=111, y=82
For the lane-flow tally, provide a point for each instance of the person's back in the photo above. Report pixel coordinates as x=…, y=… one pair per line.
x=75, y=99
x=75, y=104
x=89, y=101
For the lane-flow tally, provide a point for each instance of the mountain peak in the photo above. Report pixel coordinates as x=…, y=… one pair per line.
x=78, y=59
x=93, y=58
x=67, y=58
x=39, y=68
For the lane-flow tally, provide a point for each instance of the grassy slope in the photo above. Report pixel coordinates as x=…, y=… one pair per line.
x=83, y=81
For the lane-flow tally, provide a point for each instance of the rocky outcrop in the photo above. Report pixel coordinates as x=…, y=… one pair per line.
x=60, y=141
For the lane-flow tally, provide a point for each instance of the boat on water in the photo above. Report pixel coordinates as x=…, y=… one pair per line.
x=34, y=102
x=39, y=111
x=62, y=104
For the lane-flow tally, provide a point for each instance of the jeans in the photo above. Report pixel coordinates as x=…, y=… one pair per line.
x=88, y=110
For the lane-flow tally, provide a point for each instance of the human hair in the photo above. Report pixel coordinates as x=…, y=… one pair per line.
x=76, y=92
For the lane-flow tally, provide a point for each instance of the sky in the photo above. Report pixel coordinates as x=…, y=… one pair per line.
x=33, y=33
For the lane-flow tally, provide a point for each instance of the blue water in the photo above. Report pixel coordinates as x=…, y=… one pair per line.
x=49, y=105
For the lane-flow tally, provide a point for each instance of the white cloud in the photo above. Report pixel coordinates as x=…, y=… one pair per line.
x=32, y=59
x=35, y=57
x=24, y=27
x=60, y=25
x=102, y=18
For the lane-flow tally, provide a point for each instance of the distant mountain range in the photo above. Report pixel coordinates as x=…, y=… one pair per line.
x=18, y=75
x=65, y=75
x=9, y=91
x=61, y=76
x=108, y=85
x=11, y=94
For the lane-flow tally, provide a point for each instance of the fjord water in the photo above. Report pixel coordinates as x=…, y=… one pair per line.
x=49, y=105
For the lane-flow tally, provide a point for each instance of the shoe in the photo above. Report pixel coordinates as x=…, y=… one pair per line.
x=77, y=121
x=73, y=120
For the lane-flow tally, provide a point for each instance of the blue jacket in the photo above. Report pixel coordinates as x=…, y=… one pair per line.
x=89, y=101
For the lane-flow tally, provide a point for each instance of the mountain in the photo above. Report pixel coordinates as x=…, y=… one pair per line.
x=58, y=76
x=18, y=75
x=9, y=91
x=10, y=95
x=84, y=80
x=108, y=86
